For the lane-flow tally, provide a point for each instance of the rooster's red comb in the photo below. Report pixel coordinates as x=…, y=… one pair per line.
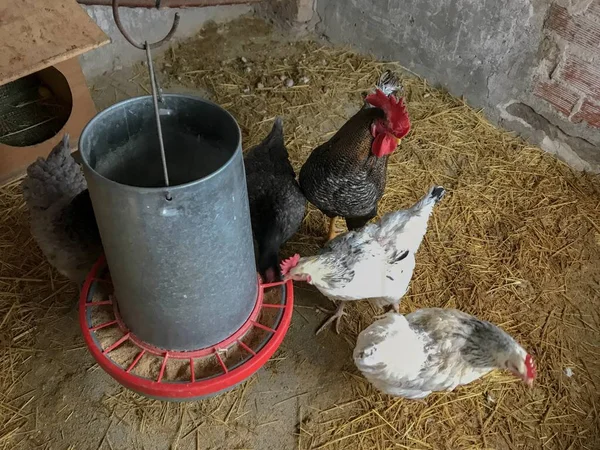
x=530, y=365
x=394, y=109
x=287, y=264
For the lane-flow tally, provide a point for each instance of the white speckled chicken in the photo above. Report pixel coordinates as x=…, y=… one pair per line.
x=61, y=214
x=375, y=262
x=436, y=349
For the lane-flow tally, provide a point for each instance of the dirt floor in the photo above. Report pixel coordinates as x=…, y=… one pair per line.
x=310, y=396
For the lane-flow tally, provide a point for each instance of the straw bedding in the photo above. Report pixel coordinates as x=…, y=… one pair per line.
x=516, y=241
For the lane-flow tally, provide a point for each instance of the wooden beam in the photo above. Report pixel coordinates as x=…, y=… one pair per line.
x=38, y=34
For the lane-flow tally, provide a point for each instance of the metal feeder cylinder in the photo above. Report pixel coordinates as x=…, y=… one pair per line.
x=181, y=257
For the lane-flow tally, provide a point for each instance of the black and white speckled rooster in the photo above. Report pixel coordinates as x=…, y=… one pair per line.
x=375, y=262
x=61, y=214
x=346, y=175
x=277, y=205
x=436, y=349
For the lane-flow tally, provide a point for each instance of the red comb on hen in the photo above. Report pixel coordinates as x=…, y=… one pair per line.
x=287, y=264
x=530, y=365
x=395, y=112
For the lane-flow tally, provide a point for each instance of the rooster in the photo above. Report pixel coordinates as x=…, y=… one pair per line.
x=61, y=214
x=277, y=205
x=436, y=349
x=346, y=175
x=375, y=262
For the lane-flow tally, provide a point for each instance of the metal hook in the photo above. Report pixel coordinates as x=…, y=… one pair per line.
x=156, y=90
x=115, y=8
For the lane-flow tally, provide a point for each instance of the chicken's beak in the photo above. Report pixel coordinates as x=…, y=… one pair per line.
x=398, y=141
x=529, y=383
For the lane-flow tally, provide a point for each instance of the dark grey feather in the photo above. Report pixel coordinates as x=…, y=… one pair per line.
x=277, y=205
x=61, y=214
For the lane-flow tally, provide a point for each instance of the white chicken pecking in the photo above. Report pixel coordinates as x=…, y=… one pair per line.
x=436, y=349
x=375, y=262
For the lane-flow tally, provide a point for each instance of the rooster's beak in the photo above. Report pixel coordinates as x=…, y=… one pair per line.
x=398, y=141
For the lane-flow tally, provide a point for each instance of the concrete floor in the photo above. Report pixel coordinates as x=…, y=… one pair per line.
x=81, y=407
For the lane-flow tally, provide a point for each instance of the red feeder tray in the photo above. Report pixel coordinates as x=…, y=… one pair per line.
x=174, y=375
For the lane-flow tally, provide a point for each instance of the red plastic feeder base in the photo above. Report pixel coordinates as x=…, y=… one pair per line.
x=180, y=376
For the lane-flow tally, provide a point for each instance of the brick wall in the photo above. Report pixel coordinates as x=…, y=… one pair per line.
x=570, y=80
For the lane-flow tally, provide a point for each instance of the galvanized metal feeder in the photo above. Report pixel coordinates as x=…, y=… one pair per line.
x=166, y=179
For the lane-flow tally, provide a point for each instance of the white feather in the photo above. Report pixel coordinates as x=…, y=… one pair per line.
x=389, y=349
x=375, y=276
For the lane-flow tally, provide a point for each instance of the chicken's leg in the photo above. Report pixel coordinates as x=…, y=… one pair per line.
x=332, y=232
x=339, y=313
x=394, y=307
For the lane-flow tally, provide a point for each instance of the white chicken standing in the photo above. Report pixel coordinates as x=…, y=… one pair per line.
x=436, y=349
x=375, y=262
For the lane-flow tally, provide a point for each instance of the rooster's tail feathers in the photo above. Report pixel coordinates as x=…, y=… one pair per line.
x=389, y=83
x=51, y=179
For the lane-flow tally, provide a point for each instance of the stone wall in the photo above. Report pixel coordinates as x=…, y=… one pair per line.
x=533, y=65
x=146, y=24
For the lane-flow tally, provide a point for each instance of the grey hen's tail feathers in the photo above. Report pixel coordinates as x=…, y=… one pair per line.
x=272, y=143
x=52, y=179
x=275, y=142
x=276, y=133
x=271, y=154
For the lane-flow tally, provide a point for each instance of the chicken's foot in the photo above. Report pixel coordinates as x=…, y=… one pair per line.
x=339, y=313
x=332, y=231
x=325, y=310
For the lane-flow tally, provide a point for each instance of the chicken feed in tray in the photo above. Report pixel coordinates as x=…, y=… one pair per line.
x=516, y=241
x=149, y=365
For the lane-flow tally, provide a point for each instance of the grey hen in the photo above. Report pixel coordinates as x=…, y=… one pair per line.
x=277, y=205
x=61, y=214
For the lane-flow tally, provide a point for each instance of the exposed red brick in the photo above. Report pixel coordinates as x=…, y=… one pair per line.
x=580, y=30
x=561, y=97
x=590, y=113
x=582, y=75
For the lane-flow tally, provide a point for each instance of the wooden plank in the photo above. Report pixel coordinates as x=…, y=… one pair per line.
x=38, y=34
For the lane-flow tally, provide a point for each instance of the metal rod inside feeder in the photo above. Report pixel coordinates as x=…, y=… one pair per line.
x=155, y=97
